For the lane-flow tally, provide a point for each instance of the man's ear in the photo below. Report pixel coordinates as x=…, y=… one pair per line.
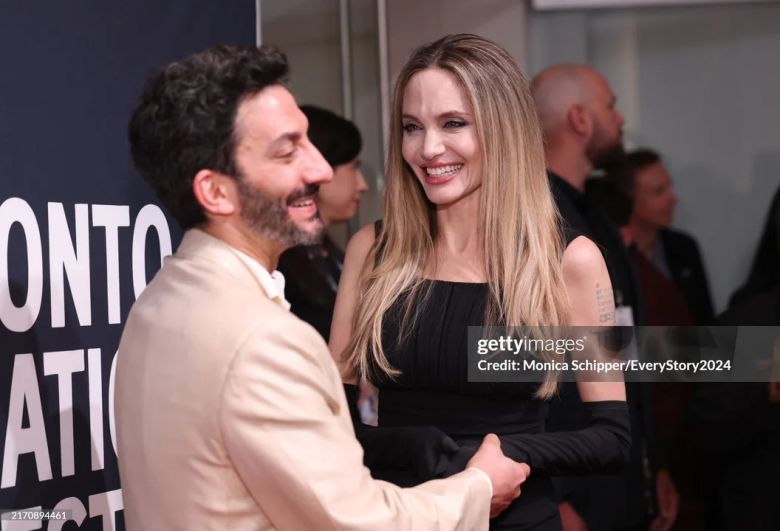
x=580, y=120
x=216, y=193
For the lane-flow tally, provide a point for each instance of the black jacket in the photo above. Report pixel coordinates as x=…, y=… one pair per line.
x=687, y=269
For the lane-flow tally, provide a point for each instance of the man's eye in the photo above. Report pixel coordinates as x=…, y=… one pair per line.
x=409, y=128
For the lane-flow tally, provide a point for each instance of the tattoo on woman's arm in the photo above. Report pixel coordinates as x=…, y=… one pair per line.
x=605, y=300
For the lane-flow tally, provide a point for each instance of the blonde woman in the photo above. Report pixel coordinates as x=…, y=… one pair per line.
x=470, y=236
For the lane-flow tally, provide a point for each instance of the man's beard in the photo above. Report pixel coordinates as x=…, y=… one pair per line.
x=268, y=218
x=603, y=155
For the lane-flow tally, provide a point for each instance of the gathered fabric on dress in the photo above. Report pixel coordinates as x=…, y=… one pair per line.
x=433, y=390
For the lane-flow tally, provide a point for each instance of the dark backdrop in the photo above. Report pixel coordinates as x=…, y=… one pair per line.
x=80, y=232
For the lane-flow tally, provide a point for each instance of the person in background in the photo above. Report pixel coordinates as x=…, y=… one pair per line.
x=764, y=277
x=583, y=131
x=312, y=272
x=736, y=425
x=665, y=306
x=643, y=178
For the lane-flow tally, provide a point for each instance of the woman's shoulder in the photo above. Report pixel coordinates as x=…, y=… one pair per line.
x=359, y=245
x=364, y=238
x=582, y=257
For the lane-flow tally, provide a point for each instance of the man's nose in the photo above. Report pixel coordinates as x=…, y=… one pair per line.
x=621, y=119
x=317, y=169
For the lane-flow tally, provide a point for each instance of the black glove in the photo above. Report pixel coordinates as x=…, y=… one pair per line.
x=406, y=455
x=603, y=446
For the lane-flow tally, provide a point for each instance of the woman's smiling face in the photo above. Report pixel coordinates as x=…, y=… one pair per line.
x=440, y=140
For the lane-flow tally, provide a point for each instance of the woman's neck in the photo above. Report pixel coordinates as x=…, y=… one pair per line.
x=459, y=245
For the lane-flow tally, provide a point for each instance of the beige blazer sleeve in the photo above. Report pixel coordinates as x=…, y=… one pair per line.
x=285, y=426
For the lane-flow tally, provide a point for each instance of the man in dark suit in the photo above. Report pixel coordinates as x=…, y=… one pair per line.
x=583, y=131
x=643, y=178
x=688, y=273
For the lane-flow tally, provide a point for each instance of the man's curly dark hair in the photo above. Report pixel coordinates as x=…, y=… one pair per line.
x=185, y=120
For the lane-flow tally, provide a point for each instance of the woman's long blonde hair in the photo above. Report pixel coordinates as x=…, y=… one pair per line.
x=517, y=215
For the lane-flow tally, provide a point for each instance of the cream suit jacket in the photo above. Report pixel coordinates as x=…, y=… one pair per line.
x=231, y=415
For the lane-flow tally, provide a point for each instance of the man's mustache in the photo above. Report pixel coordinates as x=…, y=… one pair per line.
x=309, y=189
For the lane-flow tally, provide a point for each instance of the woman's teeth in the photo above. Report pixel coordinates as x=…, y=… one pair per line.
x=443, y=170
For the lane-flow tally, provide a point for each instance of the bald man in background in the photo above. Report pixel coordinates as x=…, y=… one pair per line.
x=583, y=131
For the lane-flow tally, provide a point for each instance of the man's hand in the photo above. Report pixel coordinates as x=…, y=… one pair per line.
x=570, y=518
x=506, y=474
x=668, y=502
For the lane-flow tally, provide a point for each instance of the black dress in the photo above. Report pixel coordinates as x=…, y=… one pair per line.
x=433, y=390
x=312, y=274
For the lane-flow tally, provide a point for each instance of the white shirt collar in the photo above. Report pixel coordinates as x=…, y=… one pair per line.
x=272, y=283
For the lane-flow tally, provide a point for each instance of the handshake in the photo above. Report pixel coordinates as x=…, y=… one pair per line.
x=408, y=456
x=506, y=475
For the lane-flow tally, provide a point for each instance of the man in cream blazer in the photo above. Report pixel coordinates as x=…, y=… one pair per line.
x=230, y=411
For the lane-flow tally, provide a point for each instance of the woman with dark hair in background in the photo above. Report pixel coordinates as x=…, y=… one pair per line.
x=312, y=272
